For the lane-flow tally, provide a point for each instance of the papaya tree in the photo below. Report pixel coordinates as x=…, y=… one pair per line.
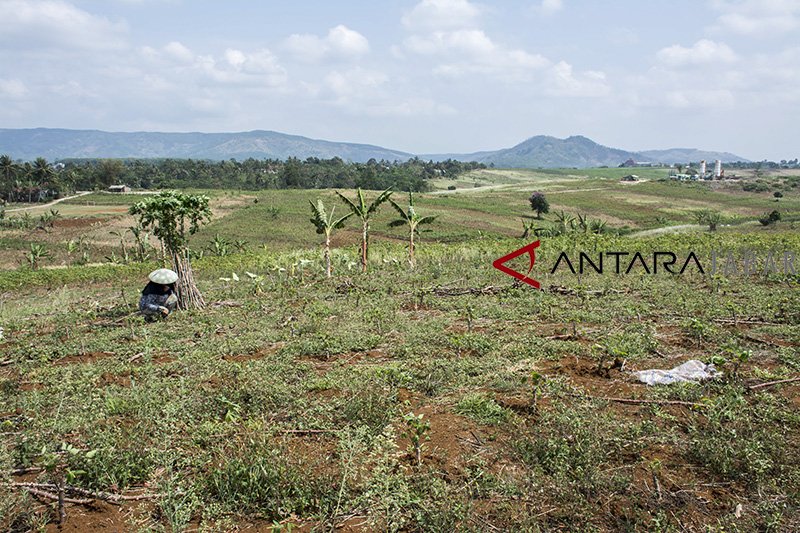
x=172, y=217
x=361, y=210
x=325, y=224
x=412, y=220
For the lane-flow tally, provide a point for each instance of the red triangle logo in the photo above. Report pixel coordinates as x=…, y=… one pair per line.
x=530, y=249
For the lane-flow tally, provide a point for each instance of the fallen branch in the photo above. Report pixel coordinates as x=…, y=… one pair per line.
x=773, y=383
x=737, y=321
x=310, y=431
x=111, y=497
x=7, y=362
x=461, y=291
x=762, y=341
x=98, y=495
x=562, y=337
x=22, y=471
x=226, y=303
x=635, y=401
x=560, y=289
x=48, y=495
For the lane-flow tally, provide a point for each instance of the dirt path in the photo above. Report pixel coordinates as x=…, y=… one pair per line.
x=54, y=202
x=513, y=186
x=477, y=189
x=524, y=185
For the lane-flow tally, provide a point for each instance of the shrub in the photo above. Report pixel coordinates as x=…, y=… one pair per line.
x=769, y=219
x=539, y=204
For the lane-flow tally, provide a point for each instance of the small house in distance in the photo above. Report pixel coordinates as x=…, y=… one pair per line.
x=119, y=188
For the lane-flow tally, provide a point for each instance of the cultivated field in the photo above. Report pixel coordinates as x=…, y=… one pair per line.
x=447, y=398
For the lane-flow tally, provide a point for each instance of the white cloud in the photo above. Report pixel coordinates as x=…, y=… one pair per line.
x=235, y=58
x=464, y=52
x=412, y=107
x=31, y=24
x=702, y=52
x=549, y=7
x=259, y=62
x=368, y=92
x=473, y=43
x=176, y=65
x=354, y=83
x=347, y=42
x=700, y=98
x=341, y=43
x=437, y=15
x=562, y=82
x=179, y=52
x=758, y=17
x=12, y=89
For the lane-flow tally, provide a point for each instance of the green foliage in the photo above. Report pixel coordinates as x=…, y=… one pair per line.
x=172, y=216
x=412, y=220
x=268, y=482
x=286, y=405
x=36, y=253
x=770, y=218
x=482, y=409
x=539, y=204
x=416, y=430
x=324, y=222
x=250, y=174
x=364, y=211
x=708, y=218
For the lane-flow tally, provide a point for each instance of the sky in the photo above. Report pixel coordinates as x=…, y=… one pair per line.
x=422, y=76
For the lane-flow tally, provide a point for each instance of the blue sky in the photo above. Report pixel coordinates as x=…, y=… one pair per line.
x=422, y=76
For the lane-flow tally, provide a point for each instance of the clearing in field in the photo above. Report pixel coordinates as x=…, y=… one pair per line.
x=443, y=398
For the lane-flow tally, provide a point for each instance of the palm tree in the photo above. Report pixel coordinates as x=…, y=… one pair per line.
x=8, y=171
x=411, y=219
x=364, y=212
x=325, y=224
x=42, y=174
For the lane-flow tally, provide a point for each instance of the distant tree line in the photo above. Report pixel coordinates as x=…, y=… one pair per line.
x=40, y=180
x=771, y=165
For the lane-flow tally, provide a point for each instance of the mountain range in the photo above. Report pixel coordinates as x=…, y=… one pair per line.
x=539, y=151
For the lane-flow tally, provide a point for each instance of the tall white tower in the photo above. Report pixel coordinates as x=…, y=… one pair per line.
x=717, y=168
x=703, y=168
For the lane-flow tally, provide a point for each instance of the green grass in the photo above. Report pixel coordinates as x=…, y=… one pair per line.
x=285, y=402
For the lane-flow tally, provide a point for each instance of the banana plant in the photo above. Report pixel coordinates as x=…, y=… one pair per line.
x=411, y=219
x=325, y=224
x=363, y=211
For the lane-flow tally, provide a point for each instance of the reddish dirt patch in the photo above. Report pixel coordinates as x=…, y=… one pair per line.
x=88, y=357
x=121, y=380
x=589, y=376
x=450, y=439
x=102, y=516
x=28, y=386
x=260, y=354
x=323, y=363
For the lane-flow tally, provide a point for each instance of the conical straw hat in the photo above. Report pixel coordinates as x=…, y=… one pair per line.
x=164, y=276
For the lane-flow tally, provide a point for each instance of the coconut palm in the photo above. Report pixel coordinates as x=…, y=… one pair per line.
x=325, y=224
x=363, y=211
x=42, y=175
x=8, y=172
x=411, y=219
